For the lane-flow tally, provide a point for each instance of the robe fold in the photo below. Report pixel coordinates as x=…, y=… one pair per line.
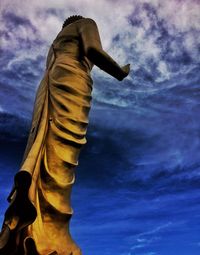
x=39, y=212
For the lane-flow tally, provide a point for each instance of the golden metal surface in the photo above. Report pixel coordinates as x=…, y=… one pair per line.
x=37, y=220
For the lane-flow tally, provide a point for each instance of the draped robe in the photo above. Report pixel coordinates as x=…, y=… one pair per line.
x=39, y=212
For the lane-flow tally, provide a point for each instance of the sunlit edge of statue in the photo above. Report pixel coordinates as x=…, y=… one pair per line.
x=37, y=219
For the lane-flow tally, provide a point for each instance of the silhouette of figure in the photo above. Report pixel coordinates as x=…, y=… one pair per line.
x=37, y=219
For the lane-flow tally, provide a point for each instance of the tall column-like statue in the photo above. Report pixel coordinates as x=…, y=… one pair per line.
x=37, y=219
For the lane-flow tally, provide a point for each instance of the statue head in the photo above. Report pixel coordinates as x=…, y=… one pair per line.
x=71, y=19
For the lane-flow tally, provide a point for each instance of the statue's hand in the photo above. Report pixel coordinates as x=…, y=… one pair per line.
x=125, y=70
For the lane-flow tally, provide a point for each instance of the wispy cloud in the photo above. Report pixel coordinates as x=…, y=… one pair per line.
x=147, y=238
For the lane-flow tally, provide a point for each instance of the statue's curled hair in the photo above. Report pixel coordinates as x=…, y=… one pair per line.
x=71, y=19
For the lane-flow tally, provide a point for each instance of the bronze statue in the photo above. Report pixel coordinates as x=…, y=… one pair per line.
x=37, y=219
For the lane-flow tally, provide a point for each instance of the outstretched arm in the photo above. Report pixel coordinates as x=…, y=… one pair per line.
x=93, y=50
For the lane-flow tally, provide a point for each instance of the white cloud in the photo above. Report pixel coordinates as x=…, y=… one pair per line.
x=165, y=74
x=146, y=238
x=182, y=15
x=137, y=45
x=1, y=109
x=111, y=17
x=109, y=22
x=48, y=24
x=156, y=230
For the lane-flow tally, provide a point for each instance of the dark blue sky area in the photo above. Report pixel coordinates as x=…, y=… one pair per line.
x=137, y=185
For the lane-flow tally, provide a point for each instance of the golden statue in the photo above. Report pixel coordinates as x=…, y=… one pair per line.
x=37, y=219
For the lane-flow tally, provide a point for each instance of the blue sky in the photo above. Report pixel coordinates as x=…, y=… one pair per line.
x=137, y=183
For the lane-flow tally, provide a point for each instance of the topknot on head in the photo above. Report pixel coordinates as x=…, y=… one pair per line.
x=71, y=19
